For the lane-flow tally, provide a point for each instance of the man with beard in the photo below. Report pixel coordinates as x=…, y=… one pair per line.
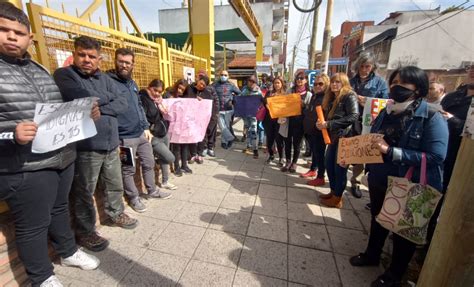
x=98, y=156
x=134, y=132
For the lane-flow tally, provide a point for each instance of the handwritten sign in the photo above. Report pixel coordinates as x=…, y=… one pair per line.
x=247, y=106
x=188, y=119
x=358, y=150
x=372, y=108
x=284, y=106
x=62, y=123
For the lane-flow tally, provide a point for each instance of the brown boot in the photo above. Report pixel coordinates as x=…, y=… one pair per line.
x=325, y=196
x=334, y=201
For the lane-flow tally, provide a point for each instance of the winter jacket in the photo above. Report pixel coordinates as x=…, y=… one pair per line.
x=424, y=131
x=295, y=123
x=340, y=124
x=132, y=122
x=457, y=103
x=310, y=116
x=373, y=87
x=209, y=93
x=23, y=84
x=74, y=84
x=158, y=125
x=226, y=92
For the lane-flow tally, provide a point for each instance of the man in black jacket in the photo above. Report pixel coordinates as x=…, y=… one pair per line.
x=134, y=132
x=97, y=156
x=34, y=186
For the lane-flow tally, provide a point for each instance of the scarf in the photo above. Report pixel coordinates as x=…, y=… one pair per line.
x=396, y=108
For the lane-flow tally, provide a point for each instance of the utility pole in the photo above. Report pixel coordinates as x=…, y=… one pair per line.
x=292, y=70
x=327, y=36
x=312, y=49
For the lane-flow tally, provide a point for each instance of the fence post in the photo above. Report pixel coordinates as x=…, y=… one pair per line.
x=165, y=62
x=39, y=40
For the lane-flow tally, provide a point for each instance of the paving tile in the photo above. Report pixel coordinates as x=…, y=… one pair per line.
x=312, y=267
x=143, y=235
x=309, y=235
x=244, y=187
x=347, y=241
x=116, y=261
x=204, y=169
x=268, y=227
x=264, y=257
x=245, y=175
x=70, y=282
x=355, y=276
x=247, y=279
x=302, y=195
x=196, y=214
x=272, y=191
x=272, y=168
x=179, y=239
x=192, y=179
x=206, y=274
x=252, y=166
x=272, y=207
x=235, y=156
x=274, y=178
x=183, y=193
x=297, y=182
x=218, y=181
x=220, y=248
x=163, y=209
x=365, y=218
x=293, y=284
x=228, y=170
x=155, y=269
x=229, y=220
x=238, y=201
x=305, y=212
x=208, y=196
x=358, y=203
x=341, y=217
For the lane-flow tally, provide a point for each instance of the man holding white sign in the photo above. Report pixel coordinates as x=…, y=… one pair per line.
x=34, y=186
x=97, y=157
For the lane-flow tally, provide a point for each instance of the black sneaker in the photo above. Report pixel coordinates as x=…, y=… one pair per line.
x=224, y=145
x=270, y=159
x=255, y=154
x=368, y=206
x=178, y=172
x=386, y=280
x=229, y=144
x=187, y=170
x=355, y=190
x=94, y=242
x=363, y=260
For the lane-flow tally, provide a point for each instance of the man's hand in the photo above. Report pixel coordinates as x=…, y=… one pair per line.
x=25, y=132
x=95, y=112
x=361, y=100
x=148, y=135
x=381, y=145
x=446, y=115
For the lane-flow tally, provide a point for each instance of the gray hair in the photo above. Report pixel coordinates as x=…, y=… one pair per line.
x=362, y=59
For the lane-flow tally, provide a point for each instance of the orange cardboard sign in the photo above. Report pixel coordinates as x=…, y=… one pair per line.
x=358, y=150
x=284, y=106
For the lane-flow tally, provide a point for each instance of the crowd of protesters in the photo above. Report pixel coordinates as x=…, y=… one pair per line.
x=420, y=118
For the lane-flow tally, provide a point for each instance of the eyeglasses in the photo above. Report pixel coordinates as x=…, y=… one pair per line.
x=301, y=78
x=224, y=75
x=125, y=63
x=319, y=84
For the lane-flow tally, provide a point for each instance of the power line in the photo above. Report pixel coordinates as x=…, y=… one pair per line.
x=396, y=39
x=442, y=28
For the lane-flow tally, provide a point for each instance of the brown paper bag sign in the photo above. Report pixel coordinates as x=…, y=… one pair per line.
x=358, y=150
x=284, y=106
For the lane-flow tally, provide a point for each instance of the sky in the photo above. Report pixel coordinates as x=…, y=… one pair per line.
x=145, y=13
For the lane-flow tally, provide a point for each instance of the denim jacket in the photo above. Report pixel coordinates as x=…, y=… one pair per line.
x=426, y=131
x=374, y=87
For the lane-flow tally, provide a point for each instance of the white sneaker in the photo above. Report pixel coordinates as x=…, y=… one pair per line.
x=169, y=186
x=82, y=260
x=52, y=281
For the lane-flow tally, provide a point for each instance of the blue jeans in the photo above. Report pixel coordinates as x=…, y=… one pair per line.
x=224, y=122
x=260, y=132
x=336, y=173
x=250, y=124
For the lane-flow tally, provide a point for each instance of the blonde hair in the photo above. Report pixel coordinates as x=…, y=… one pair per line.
x=330, y=96
x=325, y=78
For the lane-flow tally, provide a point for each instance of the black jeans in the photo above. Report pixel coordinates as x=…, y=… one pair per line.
x=181, y=153
x=337, y=174
x=271, y=130
x=318, y=148
x=38, y=201
x=295, y=136
x=403, y=249
x=209, y=141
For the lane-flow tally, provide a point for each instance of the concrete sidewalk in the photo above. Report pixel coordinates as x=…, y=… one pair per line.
x=236, y=222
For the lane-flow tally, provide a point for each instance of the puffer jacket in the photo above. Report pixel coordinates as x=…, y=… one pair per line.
x=23, y=84
x=340, y=124
x=74, y=84
x=226, y=92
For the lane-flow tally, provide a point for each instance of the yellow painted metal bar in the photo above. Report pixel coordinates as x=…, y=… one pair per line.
x=202, y=19
x=93, y=7
x=164, y=61
x=259, y=48
x=37, y=28
x=118, y=17
x=131, y=19
x=17, y=3
x=110, y=14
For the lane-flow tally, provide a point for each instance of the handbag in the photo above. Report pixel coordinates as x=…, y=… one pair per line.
x=261, y=113
x=408, y=207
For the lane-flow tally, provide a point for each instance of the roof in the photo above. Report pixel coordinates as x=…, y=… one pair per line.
x=179, y=39
x=246, y=61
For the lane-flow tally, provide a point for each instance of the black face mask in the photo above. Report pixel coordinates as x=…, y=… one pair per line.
x=400, y=94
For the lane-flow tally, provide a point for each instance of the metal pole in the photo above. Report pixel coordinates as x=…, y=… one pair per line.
x=327, y=36
x=292, y=70
x=225, y=56
x=312, y=56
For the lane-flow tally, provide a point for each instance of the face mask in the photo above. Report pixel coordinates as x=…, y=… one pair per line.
x=400, y=94
x=224, y=78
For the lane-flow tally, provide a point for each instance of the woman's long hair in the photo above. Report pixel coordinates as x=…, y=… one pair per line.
x=174, y=89
x=330, y=96
x=300, y=73
x=283, y=84
x=325, y=78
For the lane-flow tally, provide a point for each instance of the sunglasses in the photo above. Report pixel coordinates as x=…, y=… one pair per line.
x=224, y=75
x=301, y=78
x=319, y=84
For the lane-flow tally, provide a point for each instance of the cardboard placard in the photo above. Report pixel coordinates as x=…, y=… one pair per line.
x=284, y=106
x=358, y=150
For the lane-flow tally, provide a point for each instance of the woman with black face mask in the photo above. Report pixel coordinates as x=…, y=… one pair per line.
x=410, y=128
